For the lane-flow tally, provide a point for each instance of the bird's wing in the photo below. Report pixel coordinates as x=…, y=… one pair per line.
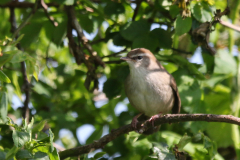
x=177, y=102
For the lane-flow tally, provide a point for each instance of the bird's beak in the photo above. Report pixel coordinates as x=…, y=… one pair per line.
x=125, y=58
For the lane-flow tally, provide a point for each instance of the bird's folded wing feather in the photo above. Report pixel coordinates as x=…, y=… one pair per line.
x=177, y=102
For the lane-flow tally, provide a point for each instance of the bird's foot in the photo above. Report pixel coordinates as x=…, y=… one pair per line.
x=135, y=121
x=152, y=119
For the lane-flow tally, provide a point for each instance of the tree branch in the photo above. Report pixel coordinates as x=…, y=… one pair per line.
x=45, y=8
x=26, y=20
x=81, y=36
x=26, y=84
x=141, y=127
x=136, y=9
x=230, y=25
x=16, y=4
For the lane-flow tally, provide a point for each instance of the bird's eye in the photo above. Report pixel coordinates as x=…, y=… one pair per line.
x=139, y=57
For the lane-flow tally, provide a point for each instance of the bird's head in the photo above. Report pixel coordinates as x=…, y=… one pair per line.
x=140, y=58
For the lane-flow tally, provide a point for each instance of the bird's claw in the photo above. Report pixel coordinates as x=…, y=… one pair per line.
x=152, y=119
x=134, y=123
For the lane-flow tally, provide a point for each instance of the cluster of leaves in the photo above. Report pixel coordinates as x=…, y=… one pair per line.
x=58, y=94
x=36, y=144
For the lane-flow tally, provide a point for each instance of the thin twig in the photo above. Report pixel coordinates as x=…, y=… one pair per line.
x=97, y=41
x=60, y=148
x=142, y=126
x=26, y=84
x=230, y=25
x=136, y=9
x=24, y=4
x=114, y=54
x=24, y=23
x=45, y=8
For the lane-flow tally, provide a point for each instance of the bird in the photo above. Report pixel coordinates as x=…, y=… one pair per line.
x=149, y=87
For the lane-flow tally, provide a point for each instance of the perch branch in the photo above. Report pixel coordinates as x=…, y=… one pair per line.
x=142, y=126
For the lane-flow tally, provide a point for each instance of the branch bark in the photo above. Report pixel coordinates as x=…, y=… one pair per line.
x=15, y=30
x=16, y=4
x=230, y=25
x=142, y=126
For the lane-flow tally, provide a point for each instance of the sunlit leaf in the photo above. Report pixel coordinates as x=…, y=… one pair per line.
x=182, y=25
x=20, y=138
x=4, y=78
x=3, y=105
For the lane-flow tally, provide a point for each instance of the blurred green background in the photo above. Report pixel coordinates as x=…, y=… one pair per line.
x=206, y=70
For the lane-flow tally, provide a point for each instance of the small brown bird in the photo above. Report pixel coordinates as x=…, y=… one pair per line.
x=149, y=87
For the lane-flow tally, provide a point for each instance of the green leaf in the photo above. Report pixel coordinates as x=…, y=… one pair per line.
x=7, y=56
x=163, y=36
x=86, y=22
x=29, y=126
x=4, y=78
x=2, y=154
x=41, y=156
x=68, y=2
x=145, y=41
x=183, y=142
x=32, y=68
x=4, y=105
x=113, y=8
x=17, y=41
x=211, y=146
x=95, y=135
x=182, y=25
x=133, y=29
x=118, y=40
x=31, y=33
x=112, y=87
x=19, y=57
x=209, y=61
x=4, y=1
x=162, y=152
x=59, y=33
x=99, y=155
x=202, y=12
x=51, y=135
x=11, y=153
x=21, y=154
x=38, y=127
x=226, y=58
x=20, y=138
x=53, y=155
x=174, y=10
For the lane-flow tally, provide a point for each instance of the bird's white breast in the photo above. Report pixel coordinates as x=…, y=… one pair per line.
x=150, y=92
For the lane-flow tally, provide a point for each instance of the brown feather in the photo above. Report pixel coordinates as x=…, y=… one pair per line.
x=177, y=101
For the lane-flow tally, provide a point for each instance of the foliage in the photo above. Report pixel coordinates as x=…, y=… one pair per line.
x=61, y=66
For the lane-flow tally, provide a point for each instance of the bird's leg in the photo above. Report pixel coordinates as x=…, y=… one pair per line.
x=135, y=121
x=152, y=119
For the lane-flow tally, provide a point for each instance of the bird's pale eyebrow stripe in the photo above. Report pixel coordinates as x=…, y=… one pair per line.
x=140, y=54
